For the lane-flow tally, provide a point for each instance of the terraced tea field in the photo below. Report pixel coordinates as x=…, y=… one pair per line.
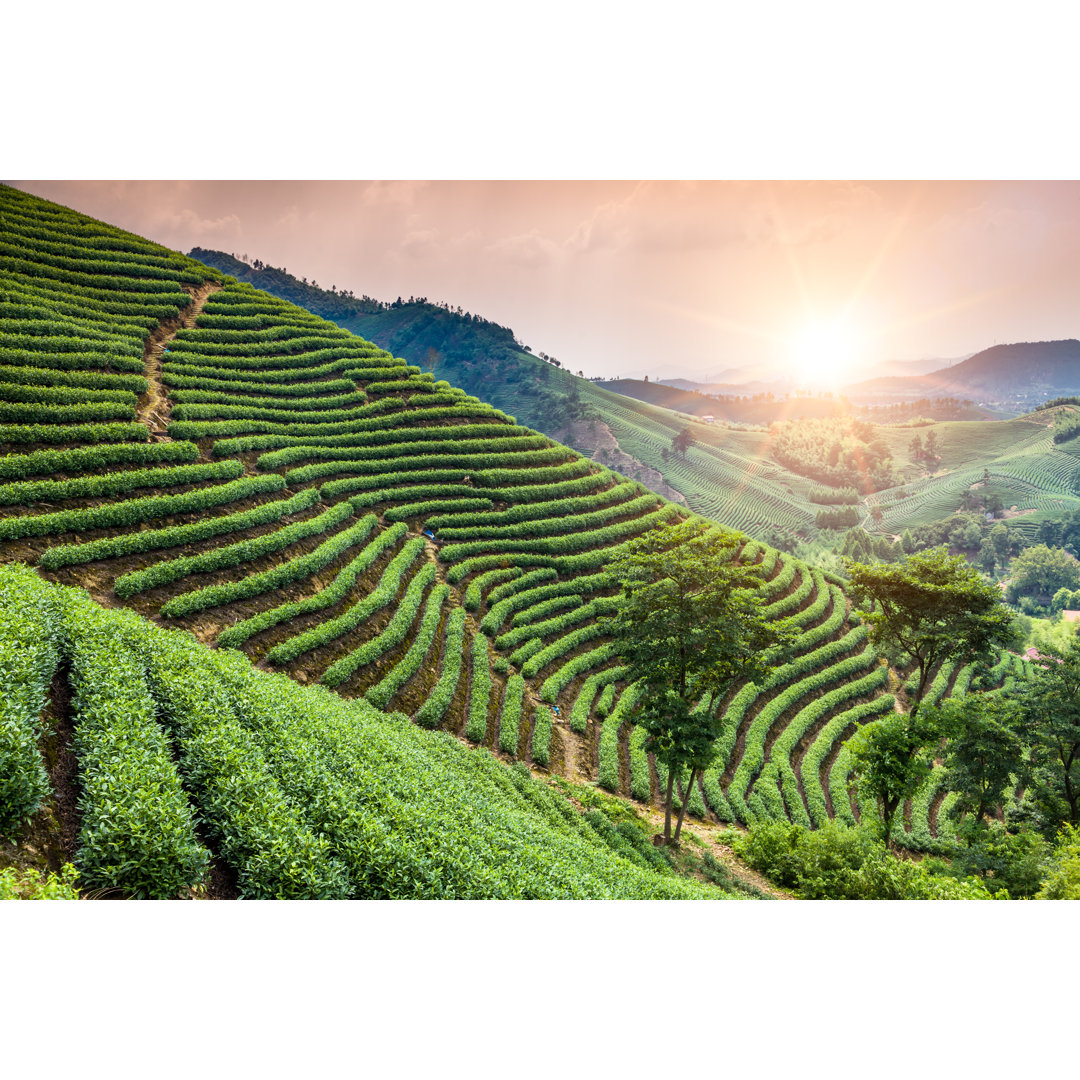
x=225, y=463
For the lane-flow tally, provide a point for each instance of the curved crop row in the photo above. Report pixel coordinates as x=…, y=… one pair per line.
x=295, y=569
x=479, y=690
x=220, y=558
x=74, y=433
x=608, y=775
x=50, y=462
x=134, y=543
x=337, y=590
x=26, y=492
x=29, y=654
x=602, y=605
x=137, y=829
x=583, y=703
x=528, y=590
x=381, y=693
x=510, y=716
x=562, y=677
x=394, y=634
x=821, y=747
x=134, y=511
x=578, y=542
x=378, y=598
x=89, y=380
x=434, y=709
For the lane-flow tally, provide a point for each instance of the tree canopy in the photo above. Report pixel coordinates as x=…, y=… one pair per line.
x=929, y=609
x=1042, y=571
x=690, y=623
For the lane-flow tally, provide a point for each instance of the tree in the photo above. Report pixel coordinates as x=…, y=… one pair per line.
x=985, y=754
x=689, y=623
x=1040, y=571
x=892, y=757
x=987, y=558
x=929, y=609
x=1051, y=710
x=999, y=537
x=971, y=537
x=680, y=441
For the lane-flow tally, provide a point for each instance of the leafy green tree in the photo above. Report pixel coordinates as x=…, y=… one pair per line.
x=999, y=537
x=986, y=560
x=972, y=537
x=1063, y=880
x=1015, y=862
x=1041, y=571
x=907, y=542
x=1051, y=711
x=680, y=442
x=929, y=609
x=985, y=754
x=689, y=623
x=892, y=757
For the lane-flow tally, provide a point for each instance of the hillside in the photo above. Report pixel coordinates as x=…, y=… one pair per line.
x=727, y=473
x=1020, y=375
x=225, y=463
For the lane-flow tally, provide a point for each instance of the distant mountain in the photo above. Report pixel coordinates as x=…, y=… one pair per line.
x=895, y=368
x=735, y=404
x=1020, y=373
x=758, y=386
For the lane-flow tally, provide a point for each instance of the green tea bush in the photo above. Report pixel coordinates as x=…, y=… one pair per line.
x=137, y=829
x=479, y=691
x=384, y=593
x=28, y=492
x=29, y=884
x=29, y=653
x=434, y=709
x=336, y=591
x=91, y=380
x=132, y=543
x=221, y=558
x=135, y=511
x=392, y=635
x=510, y=717
x=409, y=664
x=74, y=433
x=296, y=569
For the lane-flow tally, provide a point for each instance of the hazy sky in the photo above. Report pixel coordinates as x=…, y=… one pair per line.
x=658, y=278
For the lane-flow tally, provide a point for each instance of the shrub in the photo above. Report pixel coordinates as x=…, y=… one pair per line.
x=131, y=543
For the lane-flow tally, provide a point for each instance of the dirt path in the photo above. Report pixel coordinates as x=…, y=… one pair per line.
x=153, y=406
x=723, y=854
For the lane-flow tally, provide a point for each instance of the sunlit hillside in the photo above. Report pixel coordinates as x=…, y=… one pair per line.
x=223, y=462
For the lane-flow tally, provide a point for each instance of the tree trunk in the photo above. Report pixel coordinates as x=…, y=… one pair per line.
x=682, y=809
x=890, y=813
x=667, y=805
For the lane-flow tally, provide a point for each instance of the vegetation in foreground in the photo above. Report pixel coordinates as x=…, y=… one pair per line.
x=296, y=792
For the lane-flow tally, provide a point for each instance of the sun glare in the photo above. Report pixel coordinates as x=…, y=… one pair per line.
x=825, y=354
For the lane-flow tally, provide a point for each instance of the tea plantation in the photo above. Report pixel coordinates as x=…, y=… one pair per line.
x=304, y=508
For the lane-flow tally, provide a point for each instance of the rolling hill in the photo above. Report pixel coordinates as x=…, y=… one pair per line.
x=728, y=473
x=1020, y=375
x=301, y=502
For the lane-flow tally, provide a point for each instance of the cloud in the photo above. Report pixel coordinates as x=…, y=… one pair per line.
x=188, y=222
x=712, y=215
x=525, y=249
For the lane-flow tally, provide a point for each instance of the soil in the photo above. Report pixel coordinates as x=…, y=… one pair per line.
x=153, y=407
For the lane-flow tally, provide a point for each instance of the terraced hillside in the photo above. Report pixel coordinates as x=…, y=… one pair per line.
x=224, y=462
x=728, y=473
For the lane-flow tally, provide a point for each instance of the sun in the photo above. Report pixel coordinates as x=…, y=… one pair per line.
x=826, y=353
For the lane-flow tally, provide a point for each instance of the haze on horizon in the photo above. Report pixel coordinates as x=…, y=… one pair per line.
x=814, y=280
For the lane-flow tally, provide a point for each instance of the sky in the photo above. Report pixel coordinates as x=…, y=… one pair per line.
x=812, y=280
